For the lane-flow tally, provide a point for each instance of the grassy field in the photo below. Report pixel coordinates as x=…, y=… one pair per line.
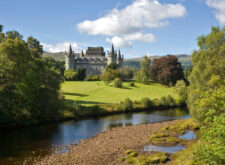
x=96, y=92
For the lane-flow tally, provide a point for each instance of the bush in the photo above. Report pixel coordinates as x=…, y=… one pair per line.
x=163, y=101
x=71, y=75
x=132, y=84
x=167, y=101
x=92, y=78
x=171, y=101
x=212, y=148
x=117, y=83
x=146, y=102
x=127, y=104
x=181, y=89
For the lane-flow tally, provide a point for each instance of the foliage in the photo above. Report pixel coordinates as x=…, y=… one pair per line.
x=117, y=83
x=127, y=104
x=166, y=70
x=92, y=78
x=81, y=73
x=55, y=65
x=146, y=102
x=181, y=89
x=126, y=73
x=143, y=74
x=210, y=102
x=112, y=66
x=206, y=96
x=109, y=75
x=187, y=72
x=167, y=101
x=132, y=84
x=29, y=88
x=71, y=75
x=212, y=149
x=208, y=63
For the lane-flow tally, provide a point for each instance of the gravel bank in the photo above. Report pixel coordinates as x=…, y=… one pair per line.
x=108, y=147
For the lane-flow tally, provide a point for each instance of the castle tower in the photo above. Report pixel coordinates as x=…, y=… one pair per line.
x=118, y=59
x=112, y=50
x=110, y=56
x=82, y=53
x=69, y=58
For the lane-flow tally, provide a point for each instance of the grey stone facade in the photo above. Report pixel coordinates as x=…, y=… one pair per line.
x=94, y=60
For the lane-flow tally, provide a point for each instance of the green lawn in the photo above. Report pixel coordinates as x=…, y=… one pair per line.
x=96, y=92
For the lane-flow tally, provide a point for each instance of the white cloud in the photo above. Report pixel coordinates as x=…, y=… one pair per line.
x=126, y=40
x=131, y=21
x=60, y=47
x=219, y=6
x=119, y=42
x=140, y=37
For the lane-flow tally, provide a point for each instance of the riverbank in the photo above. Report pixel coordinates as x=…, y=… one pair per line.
x=95, y=99
x=80, y=112
x=109, y=147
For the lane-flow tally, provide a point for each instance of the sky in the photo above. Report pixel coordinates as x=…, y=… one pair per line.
x=136, y=27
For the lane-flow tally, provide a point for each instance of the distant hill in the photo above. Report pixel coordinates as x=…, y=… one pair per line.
x=132, y=62
x=135, y=62
x=57, y=56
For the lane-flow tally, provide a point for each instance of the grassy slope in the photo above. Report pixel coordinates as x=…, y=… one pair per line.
x=97, y=92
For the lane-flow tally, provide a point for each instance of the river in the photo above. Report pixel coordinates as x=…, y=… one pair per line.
x=18, y=145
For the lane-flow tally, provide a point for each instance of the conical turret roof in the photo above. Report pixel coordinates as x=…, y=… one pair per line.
x=112, y=49
x=70, y=50
x=119, y=55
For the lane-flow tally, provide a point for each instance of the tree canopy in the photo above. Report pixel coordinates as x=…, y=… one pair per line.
x=29, y=85
x=166, y=70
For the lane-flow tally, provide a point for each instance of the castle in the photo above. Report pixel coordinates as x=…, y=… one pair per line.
x=94, y=60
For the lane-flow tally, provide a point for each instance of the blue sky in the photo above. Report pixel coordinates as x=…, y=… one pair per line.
x=137, y=27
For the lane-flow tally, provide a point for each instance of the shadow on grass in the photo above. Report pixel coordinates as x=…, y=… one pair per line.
x=123, y=87
x=75, y=94
x=71, y=102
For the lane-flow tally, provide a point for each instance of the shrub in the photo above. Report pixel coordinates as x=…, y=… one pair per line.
x=167, y=101
x=170, y=100
x=71, y=75
x=163, y=101
x=132, y=84
x=127, y=104
x=146, y=102
x=92, y=78
x=117, y=83
x=212, y=148
x=181, y=89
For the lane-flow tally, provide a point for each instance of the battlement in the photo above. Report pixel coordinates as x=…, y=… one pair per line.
x=95, y=51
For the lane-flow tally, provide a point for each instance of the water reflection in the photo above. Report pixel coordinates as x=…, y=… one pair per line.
x=18, y=144
x=172, y=149
x=190, y=135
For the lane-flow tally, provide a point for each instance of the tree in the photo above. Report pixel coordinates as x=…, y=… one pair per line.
x=181, y=89
x=13, y=35
x=126, y=73
x=117, y=83
x=29, y=88
x=81, y=73
x=71, y=75
x=110, y=73
x=143, y=74
x=208, y=61
x=166, y=70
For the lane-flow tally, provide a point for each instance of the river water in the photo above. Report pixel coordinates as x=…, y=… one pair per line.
x=17, y=145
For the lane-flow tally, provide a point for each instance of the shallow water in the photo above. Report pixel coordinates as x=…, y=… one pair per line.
x=190, y=135
x=17, y=145
x=172, y=149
